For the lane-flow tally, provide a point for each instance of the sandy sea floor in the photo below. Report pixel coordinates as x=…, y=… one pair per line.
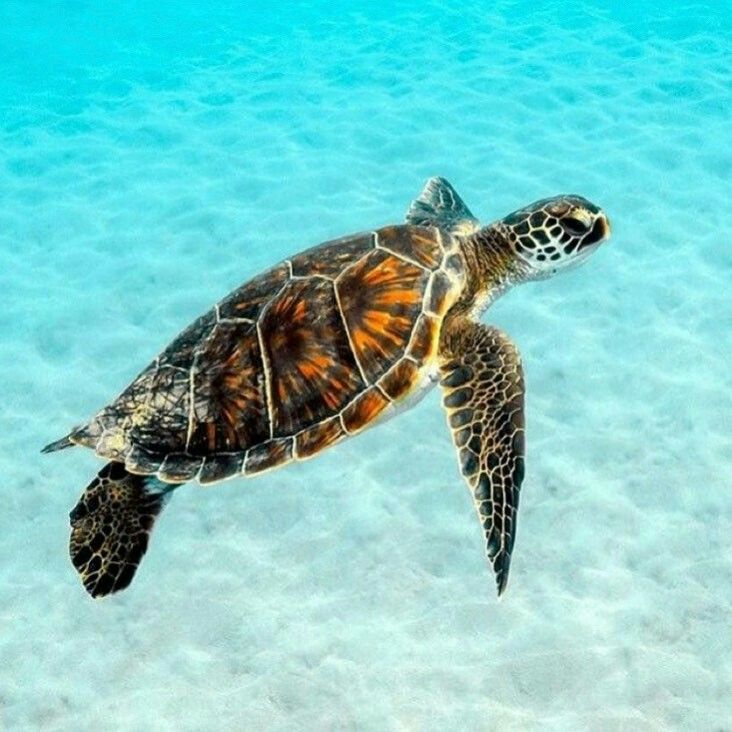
x=152, y=160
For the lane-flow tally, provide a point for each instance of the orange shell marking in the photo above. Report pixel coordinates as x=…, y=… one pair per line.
x=364, y=409
x=381, y=297
x=292, y=361
x=268, y=455
x=229, y=406
x=318, y=437
x=424, y=339
x=416, y=243
x=400, y=380
x=312, y=370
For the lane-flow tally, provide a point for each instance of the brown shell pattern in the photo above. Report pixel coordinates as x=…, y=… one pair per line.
x=295, y=359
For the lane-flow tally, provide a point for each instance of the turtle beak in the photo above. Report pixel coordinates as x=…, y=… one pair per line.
x=599, y=233
x=607, y=229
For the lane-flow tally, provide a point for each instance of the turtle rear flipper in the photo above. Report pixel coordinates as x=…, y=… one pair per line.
x=111, y=525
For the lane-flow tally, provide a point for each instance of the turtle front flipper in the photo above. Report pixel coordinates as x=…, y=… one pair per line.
x=440, y=205
x=111, y=525
x=483, y=393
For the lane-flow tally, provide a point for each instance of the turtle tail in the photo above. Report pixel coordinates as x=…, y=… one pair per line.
x=111, y=525
x=61, y=444
x=85, y=434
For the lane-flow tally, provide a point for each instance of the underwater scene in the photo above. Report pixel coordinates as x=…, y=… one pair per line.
x=155, y=156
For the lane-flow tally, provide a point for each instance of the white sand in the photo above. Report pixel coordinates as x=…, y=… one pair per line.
x=148, y=165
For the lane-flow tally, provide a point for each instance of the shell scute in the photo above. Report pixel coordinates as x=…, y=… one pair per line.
x=439, y=294
x=400, y=380
x=332, y=257
x=425, y=337
x=248, y=300
x=312, y=369
x=318, y=437
x=152, y=413
x=364, y=409
x=381, y=297
x=220, y=466
x=179, y=468
x=419, y=244
x=141, y=461
x=229, y=406
x=268, y=455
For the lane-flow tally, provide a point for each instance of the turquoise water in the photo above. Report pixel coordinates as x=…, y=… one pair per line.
x=154, y=157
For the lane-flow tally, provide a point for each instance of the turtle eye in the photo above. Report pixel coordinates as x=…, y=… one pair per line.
x=574, y=226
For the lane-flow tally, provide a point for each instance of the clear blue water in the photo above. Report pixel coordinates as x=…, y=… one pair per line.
x=155, y=155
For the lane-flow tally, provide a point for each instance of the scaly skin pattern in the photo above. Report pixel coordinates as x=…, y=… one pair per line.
x=481, y=372
x=483, y=396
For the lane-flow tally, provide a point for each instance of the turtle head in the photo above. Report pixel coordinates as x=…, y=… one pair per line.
x=555, y=233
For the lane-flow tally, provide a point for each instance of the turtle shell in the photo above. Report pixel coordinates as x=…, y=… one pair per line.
x=299, y=357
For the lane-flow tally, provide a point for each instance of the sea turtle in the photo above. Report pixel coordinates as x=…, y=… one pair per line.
x=318, y=348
